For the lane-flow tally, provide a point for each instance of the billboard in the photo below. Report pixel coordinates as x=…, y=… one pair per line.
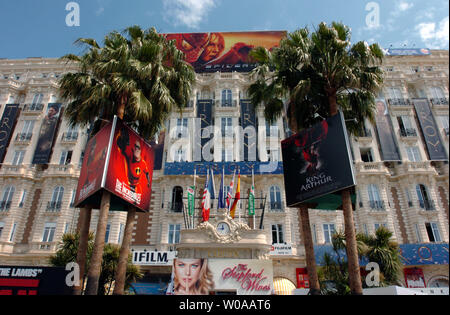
x=18, y=280
x=224, y=51
x=119, y=160
x=386, y=135
x=46, y=134
x=204, y=276
x=317, y=161
x=6, y=127
x=430, y=131
x=408, y=52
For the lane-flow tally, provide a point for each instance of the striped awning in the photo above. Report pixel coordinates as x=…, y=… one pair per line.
x=283, y=286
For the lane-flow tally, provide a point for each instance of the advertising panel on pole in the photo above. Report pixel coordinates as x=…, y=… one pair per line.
x=430, y=131
x=386, y=135
x=47, y=134
x=6, y=127
x=118, y=160
x=224, y=51
x=236, y=276
x=317, y=161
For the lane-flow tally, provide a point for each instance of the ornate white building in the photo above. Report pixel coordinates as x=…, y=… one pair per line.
x=409, y=197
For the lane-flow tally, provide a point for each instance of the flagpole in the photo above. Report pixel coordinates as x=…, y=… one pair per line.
x=253, y=186
x=195, y=189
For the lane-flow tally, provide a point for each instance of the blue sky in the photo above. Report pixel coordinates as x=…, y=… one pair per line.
x=37, y=28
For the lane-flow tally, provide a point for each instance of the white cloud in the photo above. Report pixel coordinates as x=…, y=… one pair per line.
x=401, y=7
x=189, y=13
x=433, y=35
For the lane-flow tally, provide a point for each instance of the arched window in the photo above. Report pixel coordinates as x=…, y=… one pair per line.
x=6, y=201
x=177, y=199
x=57, y=197
x=423, y=195
x=375, y=201
x=275, y=198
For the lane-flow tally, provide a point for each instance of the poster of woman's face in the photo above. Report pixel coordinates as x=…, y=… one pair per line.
x=192, y=277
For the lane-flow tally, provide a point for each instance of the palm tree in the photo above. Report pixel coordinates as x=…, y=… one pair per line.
x=314, y=73
x=138, y=76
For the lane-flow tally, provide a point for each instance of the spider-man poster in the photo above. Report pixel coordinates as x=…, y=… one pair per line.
x=317, y=161
x=130, y=168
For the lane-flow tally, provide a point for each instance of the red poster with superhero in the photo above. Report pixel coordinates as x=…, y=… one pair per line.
x=94, y=161
x=130, y=168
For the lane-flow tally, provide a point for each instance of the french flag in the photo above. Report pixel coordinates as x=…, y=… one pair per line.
x=208, y=195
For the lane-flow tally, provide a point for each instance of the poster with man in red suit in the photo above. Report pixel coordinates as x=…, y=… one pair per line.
x=130, y=168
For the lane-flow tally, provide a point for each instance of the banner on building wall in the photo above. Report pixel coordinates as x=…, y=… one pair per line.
x=317, y=162
x=408, y=52
x=203, y=276
x=430, y=131
x=385, y=132
x=119, y=160
x=224, y=52
x=248, y=119
x=47, y=134
x=6, y=127
x=204, y=132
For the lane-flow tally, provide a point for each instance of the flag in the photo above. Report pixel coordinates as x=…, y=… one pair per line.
x=208, y=195
x=221, y=203
x=237, y=197
x=230, y=191
x=251, y=202
x=191, y=200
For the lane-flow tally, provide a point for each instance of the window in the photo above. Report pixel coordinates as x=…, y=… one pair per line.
x=174, y=233
x=395, y=93
x=71, y=134
x=227, y=127
x=13, y=232
x=66, y=157
x=425, y=201
x=27, y=130
x=444, y=123
x=413, y=154
x=277, y=234
x=227, y=98
x=66, y=228
x=18, y=157
x=182, y=128
x=433, y=232
x=366, y=155
x=8, y=194
x=408, y=198
x=2, y=226
x=272, y=129
x=72, y=200
x=275, y=198
x=328, y=231
x=22, y=199
x=107, y=232
x=37, y=99
x=57, y=197
x=418, y=236
x=49, y=232
x=121, y=231
x=406, y=127
x=379, y=225
x=177, y=199
x=375, y=201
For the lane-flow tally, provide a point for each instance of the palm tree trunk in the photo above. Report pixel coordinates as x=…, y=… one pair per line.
x=121, y=270
x=309, y=251
x=352, y=251
x=85, y=221
x=99, y=244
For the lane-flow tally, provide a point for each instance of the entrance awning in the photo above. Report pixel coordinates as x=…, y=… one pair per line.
x=283, y=286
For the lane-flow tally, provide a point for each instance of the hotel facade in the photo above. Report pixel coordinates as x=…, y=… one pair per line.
x=409, y=196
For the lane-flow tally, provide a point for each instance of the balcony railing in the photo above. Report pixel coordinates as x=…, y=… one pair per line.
x=377, y=204
x=24, y=137
x=399, y=102
x=5, y=206
x=276, y=207
x=69, y=137
x=226, y=103
x=33, y=108
x=427, y=205
x=408, y=132
x=176, y=207
x=439, y=101
x=54, y=206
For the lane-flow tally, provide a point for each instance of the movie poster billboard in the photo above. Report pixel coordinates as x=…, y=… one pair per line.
x=91, y=175
x=6, y=127
x=224, y=51
x=47, y=134
x=430, y=131
x=129, y=171
x=204, y=276
x=317, y=161
x=386, y=135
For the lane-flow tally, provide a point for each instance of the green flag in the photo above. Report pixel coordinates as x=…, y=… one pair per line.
x=251, y=202
x=191, y=200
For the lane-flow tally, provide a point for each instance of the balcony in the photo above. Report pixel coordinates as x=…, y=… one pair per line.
x=33, y=108
x=62, y=170
x=28, y=171
x=54, y=206
x=226, y=103
x=377, y=205
x=69, y=137
x=276, y=207
x=399, y=102
x=439, y=101
x=175, y=207
x=5, y=206
x=427, y=205
x=371, y=167
x=408, y=133
x=23, y=138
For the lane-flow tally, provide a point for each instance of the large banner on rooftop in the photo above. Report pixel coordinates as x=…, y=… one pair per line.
x=224, y=52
